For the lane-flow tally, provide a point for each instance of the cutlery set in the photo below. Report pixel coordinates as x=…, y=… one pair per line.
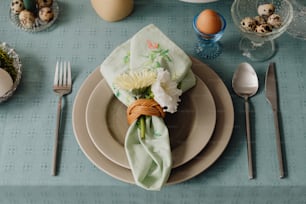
x=245, y=85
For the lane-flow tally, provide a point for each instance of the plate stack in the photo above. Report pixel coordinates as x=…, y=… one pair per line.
x=199, y=131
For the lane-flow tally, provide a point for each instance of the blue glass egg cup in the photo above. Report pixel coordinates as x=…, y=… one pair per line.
x=208, y=45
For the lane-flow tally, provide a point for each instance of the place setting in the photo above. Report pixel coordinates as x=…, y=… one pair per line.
x=119, y=111
x=149, y=111
x=100, y=117
x=153, y=151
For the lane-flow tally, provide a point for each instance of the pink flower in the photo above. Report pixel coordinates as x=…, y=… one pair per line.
x=152, y=45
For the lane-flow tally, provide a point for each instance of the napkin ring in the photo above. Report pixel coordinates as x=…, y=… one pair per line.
x=144, y=107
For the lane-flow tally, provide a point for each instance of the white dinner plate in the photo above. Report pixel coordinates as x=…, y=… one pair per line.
x=212, y=151
x=190, y=128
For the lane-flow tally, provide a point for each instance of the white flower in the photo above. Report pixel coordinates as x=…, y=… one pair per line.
x=165, y=91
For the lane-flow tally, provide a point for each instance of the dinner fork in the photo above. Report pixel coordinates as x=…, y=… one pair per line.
x=62, y=86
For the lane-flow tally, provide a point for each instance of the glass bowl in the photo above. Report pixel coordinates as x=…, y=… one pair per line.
x=17, y=65
x=38, y=25
x=260, y=46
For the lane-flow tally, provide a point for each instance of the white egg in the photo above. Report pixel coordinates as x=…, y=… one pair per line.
x=6, y=82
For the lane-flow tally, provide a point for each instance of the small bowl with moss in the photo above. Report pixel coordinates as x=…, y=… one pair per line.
x=10, y=62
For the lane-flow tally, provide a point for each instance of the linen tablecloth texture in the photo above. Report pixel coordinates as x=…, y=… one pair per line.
x=27, y=120
x=149, y=157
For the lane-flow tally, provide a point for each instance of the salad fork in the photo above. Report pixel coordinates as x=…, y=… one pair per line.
x=62, y=86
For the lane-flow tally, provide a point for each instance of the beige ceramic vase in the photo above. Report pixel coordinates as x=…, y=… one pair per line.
x=113, y=10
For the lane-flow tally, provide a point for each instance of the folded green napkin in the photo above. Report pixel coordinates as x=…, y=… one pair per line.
x=149, y=157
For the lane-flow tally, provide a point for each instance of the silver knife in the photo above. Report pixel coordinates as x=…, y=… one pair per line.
x=272, y=97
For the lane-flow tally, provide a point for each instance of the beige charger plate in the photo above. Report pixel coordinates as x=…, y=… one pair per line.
x=212, y=151
x=190, y=128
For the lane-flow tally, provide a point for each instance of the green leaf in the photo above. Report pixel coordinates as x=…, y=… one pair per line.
x=157, y=64
x=164, y=52
x=117, y=93
x=126, y=59
x=156, y=51
x=152, y=57
x=168, y=58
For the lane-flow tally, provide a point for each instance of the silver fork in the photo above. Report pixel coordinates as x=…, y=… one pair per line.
x=62, y=86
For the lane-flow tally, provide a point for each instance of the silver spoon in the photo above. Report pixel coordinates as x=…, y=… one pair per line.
x=245, y=85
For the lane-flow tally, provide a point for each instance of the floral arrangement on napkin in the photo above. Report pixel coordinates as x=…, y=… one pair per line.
x=148, y=74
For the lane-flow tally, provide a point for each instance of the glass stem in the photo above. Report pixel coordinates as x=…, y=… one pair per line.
x=257, y=44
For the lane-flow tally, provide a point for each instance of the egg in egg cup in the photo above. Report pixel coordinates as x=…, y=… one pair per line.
x=209, y=27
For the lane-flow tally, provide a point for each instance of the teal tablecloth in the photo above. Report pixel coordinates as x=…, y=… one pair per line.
x=27, y=120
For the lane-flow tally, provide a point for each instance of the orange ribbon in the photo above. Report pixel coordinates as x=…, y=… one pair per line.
x=144, y=107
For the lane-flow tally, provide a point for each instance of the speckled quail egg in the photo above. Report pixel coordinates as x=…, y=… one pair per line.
x=45, y=14
x=44, y=3
x=263, y=28
x=26, y=19
x=248, y=23
x=260, y=20
x=17, y=6
x=265, y=9
x=275, y=20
